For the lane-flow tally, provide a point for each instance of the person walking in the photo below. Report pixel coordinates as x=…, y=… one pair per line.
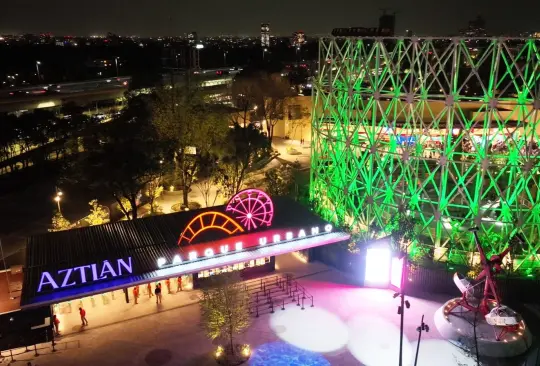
x=136, y=294
x=179, y=288
x=168, y=284
x=158, y=293
x=82, y=313
x=149, y=287
x=56, y=323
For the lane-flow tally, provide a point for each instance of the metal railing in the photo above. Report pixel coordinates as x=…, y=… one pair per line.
x=268, y=293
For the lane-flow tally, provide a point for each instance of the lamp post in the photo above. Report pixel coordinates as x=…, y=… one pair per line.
x=116, y=63
x=57, y=199
x=37, y=68
x=225, y=58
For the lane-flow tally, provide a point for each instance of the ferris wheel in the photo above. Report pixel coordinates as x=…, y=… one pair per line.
x=252, y=208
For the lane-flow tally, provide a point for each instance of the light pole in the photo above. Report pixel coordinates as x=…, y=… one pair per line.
x=57, y=199
x=225, y=58
x=37, y=68
x=264, y=52
x=116, y=62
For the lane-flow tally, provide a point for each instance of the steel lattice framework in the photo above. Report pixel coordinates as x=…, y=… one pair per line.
x=445, y=130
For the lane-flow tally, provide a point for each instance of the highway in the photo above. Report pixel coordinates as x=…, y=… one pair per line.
x=26, y=98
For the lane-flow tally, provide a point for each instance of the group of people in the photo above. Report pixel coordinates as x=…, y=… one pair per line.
x=56, y=321
x=157, y=290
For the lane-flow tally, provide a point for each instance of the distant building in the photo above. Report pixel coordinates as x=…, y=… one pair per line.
x=265, y=35
x=386, y=28
x=192, y=38
x=298, y=39
x=476, y=28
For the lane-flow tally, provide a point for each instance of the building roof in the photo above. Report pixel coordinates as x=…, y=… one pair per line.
x=144, y=240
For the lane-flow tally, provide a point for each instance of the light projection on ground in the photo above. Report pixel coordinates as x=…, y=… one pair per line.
x=313, y=329
x=375, y=341
x=284, y=354
x=378, y=263
x=441, y=353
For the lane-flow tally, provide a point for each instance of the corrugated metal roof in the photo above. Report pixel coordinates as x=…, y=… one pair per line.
x=144, y=240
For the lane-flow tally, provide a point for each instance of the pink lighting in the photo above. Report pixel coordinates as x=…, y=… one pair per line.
x=396, y=272
x=378, y=265
x=253, y=208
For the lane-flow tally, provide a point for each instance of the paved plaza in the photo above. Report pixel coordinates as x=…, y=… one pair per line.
x=347, y=326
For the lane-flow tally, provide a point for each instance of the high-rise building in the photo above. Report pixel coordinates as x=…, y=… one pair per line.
x=265, y=35
x=476, y=28
x=192, y=38
x=298, y=39
x=387, y=25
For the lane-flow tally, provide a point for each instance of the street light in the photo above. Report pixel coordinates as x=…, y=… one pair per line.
x=225, y=58
x=37, y=68
x=57, y=199
x=116, y=62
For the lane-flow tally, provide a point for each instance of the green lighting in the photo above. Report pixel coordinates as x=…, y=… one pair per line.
x=444, y=128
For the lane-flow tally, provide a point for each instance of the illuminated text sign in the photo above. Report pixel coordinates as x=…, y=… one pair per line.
x=239, y=243
x=88, y=273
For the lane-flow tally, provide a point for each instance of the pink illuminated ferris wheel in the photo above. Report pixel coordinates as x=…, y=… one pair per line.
x=252, y=208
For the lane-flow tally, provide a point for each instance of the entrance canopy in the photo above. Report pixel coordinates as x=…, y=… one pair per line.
x=76, y=263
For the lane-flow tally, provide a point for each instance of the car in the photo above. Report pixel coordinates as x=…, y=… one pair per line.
x=18, y=93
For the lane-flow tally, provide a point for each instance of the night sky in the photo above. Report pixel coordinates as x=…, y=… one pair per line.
x=243, y=17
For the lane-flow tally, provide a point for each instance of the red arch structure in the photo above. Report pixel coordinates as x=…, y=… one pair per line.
x=210, y=220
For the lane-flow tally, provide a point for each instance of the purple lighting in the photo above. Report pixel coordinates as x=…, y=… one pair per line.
x=253, y=208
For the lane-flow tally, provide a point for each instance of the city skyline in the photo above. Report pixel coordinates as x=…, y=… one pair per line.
x=242, y=17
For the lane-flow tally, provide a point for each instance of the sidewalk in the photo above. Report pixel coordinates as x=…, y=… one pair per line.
x=111, y=307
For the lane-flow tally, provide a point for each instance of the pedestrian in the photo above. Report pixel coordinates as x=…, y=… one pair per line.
x=56, y=322
x=158, y=293
x=82, y=313
x=168, y=284
x=149, y=287
x=179, y=288
x=136, y=294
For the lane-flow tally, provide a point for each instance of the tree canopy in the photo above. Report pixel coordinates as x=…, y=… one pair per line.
x=123, y=158
x=195, y=129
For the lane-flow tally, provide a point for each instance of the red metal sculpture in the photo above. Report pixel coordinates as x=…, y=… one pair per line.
x=486, y=301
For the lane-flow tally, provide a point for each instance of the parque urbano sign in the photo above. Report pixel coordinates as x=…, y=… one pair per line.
x=82, y=274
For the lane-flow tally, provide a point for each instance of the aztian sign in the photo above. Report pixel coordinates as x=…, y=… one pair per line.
x=88, y=273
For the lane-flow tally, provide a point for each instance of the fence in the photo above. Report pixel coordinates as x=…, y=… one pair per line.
x=267, y=294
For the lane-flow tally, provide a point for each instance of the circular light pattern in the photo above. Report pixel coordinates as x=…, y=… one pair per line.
x=284, y=354
x=375, y=341
x=313, y=329
x=253, y=208
x=441, y=353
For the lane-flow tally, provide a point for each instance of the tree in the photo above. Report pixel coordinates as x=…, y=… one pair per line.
x=98, y=214
x=225, y=309
x=122, y=157
x=154, y=189
x=280, y=180
x=273, y=92
x=182, y=116
x=243, y=147
x=244, y=92
x=208, y=184
x=59, y=222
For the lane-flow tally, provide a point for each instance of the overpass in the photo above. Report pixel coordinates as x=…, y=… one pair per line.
x=214, y=82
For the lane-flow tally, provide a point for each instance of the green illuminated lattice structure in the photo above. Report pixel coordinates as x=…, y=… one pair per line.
x=445, y=130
